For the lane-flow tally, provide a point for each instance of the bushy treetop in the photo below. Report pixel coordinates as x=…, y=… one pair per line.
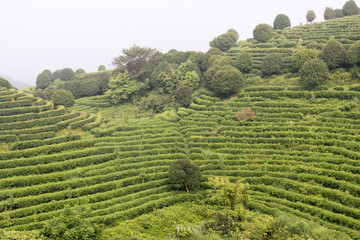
x=263, y=32
x=225, y=41
x=62, y=97
x=184, y=174
x=310, y=16
x=272, y=64
x=314, y=72
x=5, y=83
x=350, y=8
x=329, y=13
x=281, y=21
x=226, y=80
x=333, y=54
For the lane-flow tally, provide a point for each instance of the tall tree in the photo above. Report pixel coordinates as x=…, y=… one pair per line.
x=350, y=8
x=136, y=61
x=329, y=13
x=310, y=16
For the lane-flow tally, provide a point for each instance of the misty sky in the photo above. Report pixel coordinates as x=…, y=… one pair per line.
x=54, y=34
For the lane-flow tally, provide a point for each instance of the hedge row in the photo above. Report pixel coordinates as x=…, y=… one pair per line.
x=22, y=110
x=29, y=116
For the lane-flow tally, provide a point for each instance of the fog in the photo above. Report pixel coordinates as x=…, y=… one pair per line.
x=54, y=34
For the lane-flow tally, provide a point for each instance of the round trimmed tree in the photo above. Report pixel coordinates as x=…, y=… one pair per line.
x=79, y=71
x=272, y=64
x=314, y=72
x=353, y=54
x=350, y=8
x=184, y=174
x=263, y=32
x=62, y=97
x=310, y=16
x=304, y=55
x=183, y=95
x=333, y=54
x=101, y=68
x=225, y=41
x=281, y=21
x=227, y=80
x=243, y=62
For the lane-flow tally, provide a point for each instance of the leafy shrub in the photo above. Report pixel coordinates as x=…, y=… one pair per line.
x=310, y=16
x=5, y=83
x=350, y=8
x=66, y=74
x=352, y=57
x=225, y=41
x=272, y=64
x=263, y=32
x=314, y=72
x=184, y=174
x=62, y=97
x=79, y=71
x=244, y=114
x=183, y=95
x=214, y=51
x=71, y=224
x=44, y=79
x=302, y=56
x=329, y=13
x=227, y=80
x=101, y=68
x=333, y=54
x=243, y=62
x=339, y=13
x=281, y=21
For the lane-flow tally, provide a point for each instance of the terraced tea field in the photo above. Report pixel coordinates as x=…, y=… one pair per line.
x=285, y=42
x=300, y=155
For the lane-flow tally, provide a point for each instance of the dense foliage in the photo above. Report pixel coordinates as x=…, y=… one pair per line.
x=225, y=41
x=329, y=13
x=350, y=8
x=184, y=174
x=310, y=16
x=302, y=56
x=281, y=21
x=333, y=54
x=272, y=64
x=353, y=54
x=44, y=79
x=314, y=72
x=227, y=80
x=5, y=83
x=62, y=97
x=263, y=33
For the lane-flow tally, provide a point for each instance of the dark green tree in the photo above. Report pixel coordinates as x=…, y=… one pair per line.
x=227, y=80
x=79, y=71
x=101, y=68
x=314, y=72
x=66, y=74
x=338, y=13
x=62, y=97
x=44, y=79
x=272, y=64
x=263, y=32
x=243, y=62
x=353, y=54
x=333, y=54
x=184, y=174
x=225, y=41
x=329, y=13
x=304, y=55
x=72, y=223
x=281, y=21
x=214, y=51
x=138, y=61
x=350, y=8
x=183, y=95
x=310, y=16
x=5, y=83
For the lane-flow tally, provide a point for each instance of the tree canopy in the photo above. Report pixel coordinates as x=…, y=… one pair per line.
x=281, y=21
x=263, y=32
x=184, y=174
x=225, y=41
x=5, y=83
x=350, y=8
x=333, y=54
x=310, y=16
x=329, y=13
x=314, y=72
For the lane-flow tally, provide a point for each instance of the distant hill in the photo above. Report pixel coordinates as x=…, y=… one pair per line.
x=16, y=84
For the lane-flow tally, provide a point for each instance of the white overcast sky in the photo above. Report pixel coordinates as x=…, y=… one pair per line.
x=54, y=34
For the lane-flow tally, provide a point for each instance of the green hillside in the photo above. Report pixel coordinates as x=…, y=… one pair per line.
x=292, y=150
